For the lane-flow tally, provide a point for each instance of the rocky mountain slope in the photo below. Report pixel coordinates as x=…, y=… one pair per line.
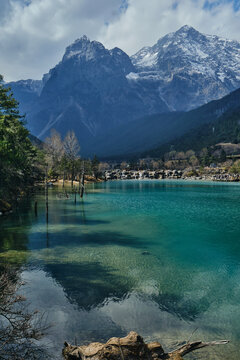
x=88, y=92
x=98, y=92
x=190, y=68
x=225, y=129
x=27, y=93
x=219, y=120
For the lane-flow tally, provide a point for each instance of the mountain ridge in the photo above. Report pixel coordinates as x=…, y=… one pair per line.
x=95, y=91
x=158, y=133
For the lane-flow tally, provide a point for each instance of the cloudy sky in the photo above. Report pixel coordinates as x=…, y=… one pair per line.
x=34, y=33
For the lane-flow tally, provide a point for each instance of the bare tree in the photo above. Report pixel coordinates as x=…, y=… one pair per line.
x=193, y=161
x=71, y=151
x=180, y=155
x=189, y=154
x=103, y=166
x=20, y=329
x=154, y=165
x=123, y=165
x=54, y=148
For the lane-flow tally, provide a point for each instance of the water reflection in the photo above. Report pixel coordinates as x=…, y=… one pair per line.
x=113, y=318
x=87, y=266
x=89, y=284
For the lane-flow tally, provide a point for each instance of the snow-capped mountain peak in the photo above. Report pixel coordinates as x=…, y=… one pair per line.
x=205, y=62
x=83, y=47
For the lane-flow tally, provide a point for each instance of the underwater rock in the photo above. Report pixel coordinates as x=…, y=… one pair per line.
x=145, y=253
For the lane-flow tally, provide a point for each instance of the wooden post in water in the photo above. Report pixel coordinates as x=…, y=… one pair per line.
x=46, y=195
x=79, y=182
x=82, y=182
x=75, y=195
x=35, y=207
x=73, y=174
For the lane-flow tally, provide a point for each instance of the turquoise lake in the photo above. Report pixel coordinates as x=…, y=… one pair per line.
x=158, y=257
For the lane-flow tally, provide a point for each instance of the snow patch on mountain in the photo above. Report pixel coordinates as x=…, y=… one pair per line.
x=190, y=62
x=132, y=76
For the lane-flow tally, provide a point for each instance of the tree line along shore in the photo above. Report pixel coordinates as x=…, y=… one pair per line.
x=26, y=161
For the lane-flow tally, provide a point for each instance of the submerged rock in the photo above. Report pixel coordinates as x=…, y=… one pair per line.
x=145, y=253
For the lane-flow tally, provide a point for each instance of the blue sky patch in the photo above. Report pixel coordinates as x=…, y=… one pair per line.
x=210, y=5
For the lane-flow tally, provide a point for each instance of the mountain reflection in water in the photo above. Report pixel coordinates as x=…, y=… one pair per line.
x=161, y=258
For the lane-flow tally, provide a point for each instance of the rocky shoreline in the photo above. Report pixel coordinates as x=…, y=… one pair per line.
x=209, y=174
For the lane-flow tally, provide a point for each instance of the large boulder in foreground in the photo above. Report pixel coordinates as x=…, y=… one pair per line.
x=131, y=347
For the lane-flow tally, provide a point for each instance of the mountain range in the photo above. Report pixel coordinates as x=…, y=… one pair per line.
x=119, y=104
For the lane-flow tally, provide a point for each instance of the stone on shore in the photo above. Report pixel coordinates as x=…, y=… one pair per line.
x=131, y=347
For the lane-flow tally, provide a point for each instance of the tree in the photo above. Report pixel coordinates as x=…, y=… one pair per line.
x=223, y=156
x=155, y=165
x=142, y=164
x=193, y=161
x=180, y=155
x=172, y=155
x=103, y=166
x=205, y=156
x=20, y=329
x=54, y=150
x=95, y=166
x=123, y=165
x=235, y=169
x=189, y=154
x=71, y=151
x=17, y=154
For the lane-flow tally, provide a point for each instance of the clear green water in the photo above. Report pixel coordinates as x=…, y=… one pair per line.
x=158, y=257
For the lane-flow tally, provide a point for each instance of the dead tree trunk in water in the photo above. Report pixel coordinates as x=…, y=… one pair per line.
x=63, y=179
x=75, y=195
x=46, y=195
x=79, y=182
x=82, y=182
x=131, y=347
x=35, y=207
x=72, y=178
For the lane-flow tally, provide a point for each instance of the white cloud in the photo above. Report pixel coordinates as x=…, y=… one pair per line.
x=145, y=22
x=33, y=37
x=5, y=8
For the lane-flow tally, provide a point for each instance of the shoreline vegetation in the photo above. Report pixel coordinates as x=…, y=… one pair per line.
x=25, y=162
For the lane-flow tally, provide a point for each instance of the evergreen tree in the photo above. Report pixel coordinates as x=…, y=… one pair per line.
x=223, y=156
x=95, y=166
x=17, y=154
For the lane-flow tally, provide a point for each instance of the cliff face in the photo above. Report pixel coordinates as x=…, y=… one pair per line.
x=89, y=93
